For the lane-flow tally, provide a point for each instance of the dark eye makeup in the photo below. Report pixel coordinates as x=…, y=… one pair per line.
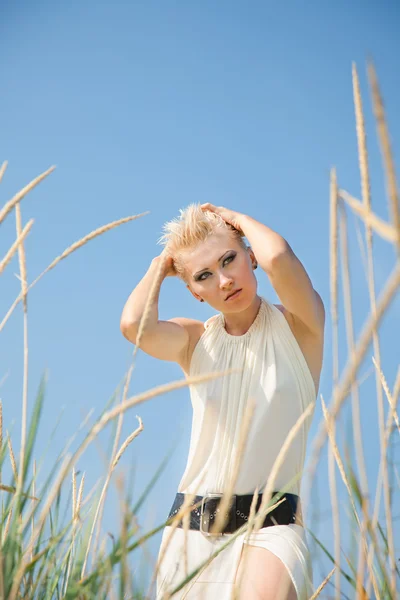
x=228, y=258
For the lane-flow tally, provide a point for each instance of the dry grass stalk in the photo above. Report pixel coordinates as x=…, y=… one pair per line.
x=334, y=204
x=66, y=253
x=12, y=490
x=99, y=426
x=186, y=508
x=388, y=162
x=366, y=197
x=334, y=201
x=246, y=419
x=267, y=494
x=251, y=521
x=151, y=299
x=392, y=414
x=22, y=193
x=14, y=247
x=355, y=400
x=3, y=169
x=12, y=458
x=1, y=433
x=42, y=517
x=100, y=507
x=24, y=292
x=385, y=230
x=87, y=238
x=342, y=389
x=128, y=440
x=362, y=142
x=7, y=526
x=99, y=510
x=79, y=498
x=322, y=585
x=73, y=493
x=100, y=504
x=328, y=420
x=21, y=253
x=389, y=420
x=34, y=494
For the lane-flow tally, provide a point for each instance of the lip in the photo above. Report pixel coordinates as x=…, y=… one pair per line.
x=233, y=295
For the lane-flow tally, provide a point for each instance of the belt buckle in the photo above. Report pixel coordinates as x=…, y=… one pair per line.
x=207, y=517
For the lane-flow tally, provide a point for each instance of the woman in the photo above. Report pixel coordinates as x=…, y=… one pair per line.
x=277, y=353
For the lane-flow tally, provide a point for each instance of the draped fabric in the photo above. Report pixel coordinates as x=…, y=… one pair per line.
x=273, y=376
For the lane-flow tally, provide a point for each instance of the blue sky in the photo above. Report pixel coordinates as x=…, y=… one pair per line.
x=151, y=106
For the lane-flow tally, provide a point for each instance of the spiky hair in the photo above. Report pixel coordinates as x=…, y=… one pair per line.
x=192, y=227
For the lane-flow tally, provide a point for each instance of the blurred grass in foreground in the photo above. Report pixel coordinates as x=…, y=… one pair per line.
x=45, y=554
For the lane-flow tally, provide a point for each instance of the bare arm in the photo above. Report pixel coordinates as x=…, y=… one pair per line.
x=166, y=340
x=285, y=271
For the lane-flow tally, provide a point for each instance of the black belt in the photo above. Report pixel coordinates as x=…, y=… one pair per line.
x=204, y=515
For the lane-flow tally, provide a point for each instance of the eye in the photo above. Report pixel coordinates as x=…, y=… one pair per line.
x=201, y=277
x=229, y=258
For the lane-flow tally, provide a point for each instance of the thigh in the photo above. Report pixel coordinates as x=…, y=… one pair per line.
x=262, y=576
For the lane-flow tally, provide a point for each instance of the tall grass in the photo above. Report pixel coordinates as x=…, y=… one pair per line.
x=45, y=554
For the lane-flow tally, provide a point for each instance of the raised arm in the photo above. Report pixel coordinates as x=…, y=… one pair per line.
x=166, y=340
x=285, y=271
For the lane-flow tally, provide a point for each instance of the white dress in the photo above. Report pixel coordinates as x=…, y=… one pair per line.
x=277, y=377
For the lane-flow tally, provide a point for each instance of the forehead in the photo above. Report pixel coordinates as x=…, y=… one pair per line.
x=208, y=252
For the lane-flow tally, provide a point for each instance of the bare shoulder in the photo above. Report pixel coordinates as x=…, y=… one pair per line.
x=195, y=330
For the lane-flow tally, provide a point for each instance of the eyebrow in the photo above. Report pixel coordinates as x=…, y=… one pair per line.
x=208, y=268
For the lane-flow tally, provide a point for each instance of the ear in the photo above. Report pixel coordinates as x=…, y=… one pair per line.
x=193, y=293
x=252, y=255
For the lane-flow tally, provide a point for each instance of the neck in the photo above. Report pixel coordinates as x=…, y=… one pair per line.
x=240, y=322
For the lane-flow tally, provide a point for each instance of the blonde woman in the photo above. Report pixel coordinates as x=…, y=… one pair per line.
x=277, y=351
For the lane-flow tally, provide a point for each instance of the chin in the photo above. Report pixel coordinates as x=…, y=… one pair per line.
x=244, y=301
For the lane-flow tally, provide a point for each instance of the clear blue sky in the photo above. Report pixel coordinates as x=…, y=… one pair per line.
x=151, y=106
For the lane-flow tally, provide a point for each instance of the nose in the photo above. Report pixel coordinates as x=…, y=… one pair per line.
x=225, y=282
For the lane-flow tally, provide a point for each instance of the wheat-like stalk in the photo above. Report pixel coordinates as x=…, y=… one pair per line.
x=246, y=419
x=14, y=247
x=322, y=585
x=328, y=420
x=100, y=504
x=75, y=246
x=33, y=493
x=333, y=253
x=151, y=299
x=103, y=421
x=388, y=162
x=73, y=493
x=267, y=493
x=3, y=169
x=24, y=292
x=355, y=398
x=1, y=434
x=7, y=525
x=344, y=385
x=100, y=508
x=366, y=197
x=393, y=414
x=394, y=396
x=385, y=230
x=12, y=458
x=22, y=193
x=79, y=498
x=128, y=440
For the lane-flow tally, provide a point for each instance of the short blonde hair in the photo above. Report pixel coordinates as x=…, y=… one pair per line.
x=192, y=227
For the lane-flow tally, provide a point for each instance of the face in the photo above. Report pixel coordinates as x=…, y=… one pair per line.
x=216, y=268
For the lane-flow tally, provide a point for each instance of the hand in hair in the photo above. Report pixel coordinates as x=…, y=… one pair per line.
x=231, y=217
x=168, y=263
